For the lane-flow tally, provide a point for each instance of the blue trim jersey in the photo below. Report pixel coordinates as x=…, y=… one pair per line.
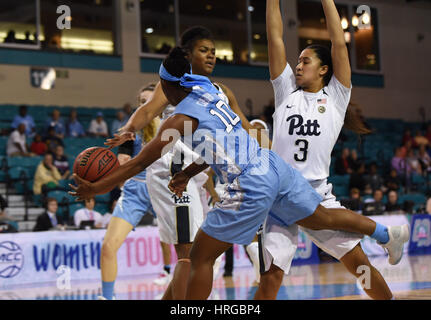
x=220, y=139
x=258, y=181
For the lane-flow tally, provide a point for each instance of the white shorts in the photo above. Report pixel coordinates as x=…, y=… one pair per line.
x=178, y=219
x=277, y=244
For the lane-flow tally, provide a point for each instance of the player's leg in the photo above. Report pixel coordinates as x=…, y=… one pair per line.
x=252, y=251
x=270, y=283
x=376, y=288
x=166, y=253
x=204, y=252
x=178, y=285
x=392, y=238
x=118, y=229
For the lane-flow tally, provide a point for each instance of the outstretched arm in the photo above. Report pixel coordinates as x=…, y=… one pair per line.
x=274, y=31
x=141, y=117
x=150, y=153
x=262, y=138
x=340, y=55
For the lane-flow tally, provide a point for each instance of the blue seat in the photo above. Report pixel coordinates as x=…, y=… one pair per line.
x=417, y=198
x=101, y=208
x=106, y=198
x=29, y=161
x=339, y=179
x=73, y=207
x=18, y=172
x=60, y=196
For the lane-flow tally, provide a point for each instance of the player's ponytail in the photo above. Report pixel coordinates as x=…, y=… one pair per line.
x=353, y=121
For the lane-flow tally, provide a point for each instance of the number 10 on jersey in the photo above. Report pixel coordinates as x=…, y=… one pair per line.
x=225, y=117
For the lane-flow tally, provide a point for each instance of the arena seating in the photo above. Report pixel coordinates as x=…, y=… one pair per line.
x=17, y=173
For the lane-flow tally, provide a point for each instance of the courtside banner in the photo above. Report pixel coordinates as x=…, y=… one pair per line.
x=420, y=237
x=33, y=257
x=370, y=246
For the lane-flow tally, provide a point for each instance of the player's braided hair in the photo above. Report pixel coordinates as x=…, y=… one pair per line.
x=193, y=34
x=176, y=63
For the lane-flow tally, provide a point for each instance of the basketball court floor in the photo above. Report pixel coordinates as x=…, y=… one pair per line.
x=410, y=279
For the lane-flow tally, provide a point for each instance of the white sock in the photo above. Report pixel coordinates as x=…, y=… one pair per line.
x=253, y=252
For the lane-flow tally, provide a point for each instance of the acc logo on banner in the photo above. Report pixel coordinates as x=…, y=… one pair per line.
x=11, y=259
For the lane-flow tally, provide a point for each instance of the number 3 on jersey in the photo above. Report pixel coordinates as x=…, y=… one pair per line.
x=303, y=148
x=226, y=117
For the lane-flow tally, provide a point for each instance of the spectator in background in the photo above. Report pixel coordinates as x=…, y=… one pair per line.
x=428, y=206
x=98, y=126
x=88, y=214
x=38, y=147
x=393, y=181
x=413, y=162
x=17, y=143
x=58, y=124
x=420, y=139
x=373, y=178
x=7, y=223
x=128, y=110
x=354, y=202
x=74, y=127
x=342, y=163
x=119, y=122
x=424, y=159
x=10, y=37
x=400, y=164
x=357, y=178
x=268, y=111
x=353, y=160
x=405, y=148
x=407, y=136
x=428, y=132
x=376, y=207
x=368, y=193
x=61, y=162
x=392, y=205
x=28, y=120
x=49, y=219
x=52, y=140
x=46, y=175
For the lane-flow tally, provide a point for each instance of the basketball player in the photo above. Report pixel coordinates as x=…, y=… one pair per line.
x=199, y=44
x=132, y=205
x=281, y=190
x=310, y=109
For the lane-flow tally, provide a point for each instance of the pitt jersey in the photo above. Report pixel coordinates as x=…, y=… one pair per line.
x=307, y=125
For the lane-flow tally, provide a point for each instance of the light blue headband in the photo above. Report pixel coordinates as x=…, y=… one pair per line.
x=188, y=80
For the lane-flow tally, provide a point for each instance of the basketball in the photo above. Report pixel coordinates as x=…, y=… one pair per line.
x=94, y=163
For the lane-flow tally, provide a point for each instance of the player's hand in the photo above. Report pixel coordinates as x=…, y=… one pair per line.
x=84, y=190
x=215, y=199
x=178, y=183
x=119, y=139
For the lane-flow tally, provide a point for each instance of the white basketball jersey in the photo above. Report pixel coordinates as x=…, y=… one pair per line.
x=307, y=125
